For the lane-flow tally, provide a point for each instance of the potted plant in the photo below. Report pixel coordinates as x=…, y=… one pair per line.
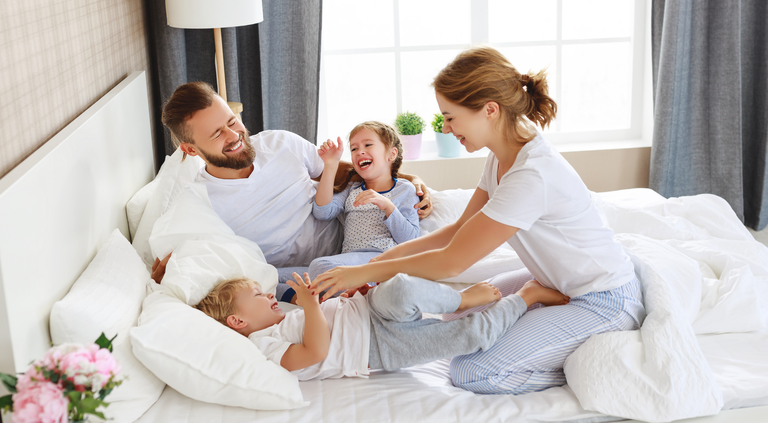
x=447, y=144
x=410, y=126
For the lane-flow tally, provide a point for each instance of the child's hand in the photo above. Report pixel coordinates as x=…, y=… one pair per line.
x=372, y=197
x=330, y=152
x=305, y=295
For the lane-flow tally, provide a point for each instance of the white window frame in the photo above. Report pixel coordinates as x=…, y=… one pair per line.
x=479, y=35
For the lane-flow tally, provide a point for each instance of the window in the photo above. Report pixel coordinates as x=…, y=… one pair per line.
x=379, y=58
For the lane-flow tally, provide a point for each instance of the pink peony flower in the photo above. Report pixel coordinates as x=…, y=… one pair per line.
x=78, y=362
x=106, y=363
x=31, y=377
x=41, y=402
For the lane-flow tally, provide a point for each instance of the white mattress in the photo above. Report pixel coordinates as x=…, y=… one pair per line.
x=425, y=394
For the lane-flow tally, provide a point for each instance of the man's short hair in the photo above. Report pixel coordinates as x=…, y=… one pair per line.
x=188, y=99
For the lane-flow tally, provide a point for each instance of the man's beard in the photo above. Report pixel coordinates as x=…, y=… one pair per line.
x=243, y=159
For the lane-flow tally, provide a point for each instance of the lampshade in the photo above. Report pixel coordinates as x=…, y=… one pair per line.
x=201, y=14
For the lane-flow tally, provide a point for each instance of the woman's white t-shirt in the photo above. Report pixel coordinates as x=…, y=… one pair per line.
x=563, y=240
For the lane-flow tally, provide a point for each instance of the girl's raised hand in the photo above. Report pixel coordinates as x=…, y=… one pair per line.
x=330, y=152
x=372, y=197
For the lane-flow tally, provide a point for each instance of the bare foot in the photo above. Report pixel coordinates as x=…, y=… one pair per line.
x=478, y=295
x=534, y=292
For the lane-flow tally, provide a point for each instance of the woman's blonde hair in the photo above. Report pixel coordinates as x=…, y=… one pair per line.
x=220, y=303
x=388, y=135
x=482, y=74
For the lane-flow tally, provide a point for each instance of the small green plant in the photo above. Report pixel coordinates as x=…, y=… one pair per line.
x=437, y=123
x=409, y=123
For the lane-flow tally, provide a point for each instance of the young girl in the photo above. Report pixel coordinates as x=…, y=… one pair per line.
x=378, y=207
x=530, y=197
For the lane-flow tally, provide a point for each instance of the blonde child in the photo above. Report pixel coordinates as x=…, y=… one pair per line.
x=378, y=207
x=383, y=329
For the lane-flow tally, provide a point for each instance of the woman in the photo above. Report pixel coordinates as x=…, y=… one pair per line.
x=530, y=197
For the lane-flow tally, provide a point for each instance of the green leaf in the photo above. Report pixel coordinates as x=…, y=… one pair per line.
x=74, y=396
x=409, y=123
x=9, y=382
x=103, y=342
x=89, y=405
x=6, y=402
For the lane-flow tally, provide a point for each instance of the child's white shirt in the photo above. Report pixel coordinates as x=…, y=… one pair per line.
x=350, y=325
x=564, y=240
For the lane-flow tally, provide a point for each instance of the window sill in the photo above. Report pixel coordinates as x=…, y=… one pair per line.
x=429, y=149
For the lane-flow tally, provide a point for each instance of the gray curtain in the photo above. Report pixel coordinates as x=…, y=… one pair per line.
x=710, y=79
x=272, y=68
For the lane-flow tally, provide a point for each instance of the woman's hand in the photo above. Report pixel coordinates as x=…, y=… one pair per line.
x=372, y=197
x=305, y=294
x=340, y=279
x=330, y=152
x=388, y=255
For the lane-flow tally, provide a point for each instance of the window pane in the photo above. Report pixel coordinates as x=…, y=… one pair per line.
x=586, y=19
x=434, y=22
x=348, y=24
x=359, y=88
x=522, y=20
x=418, y=71
x=597, y=84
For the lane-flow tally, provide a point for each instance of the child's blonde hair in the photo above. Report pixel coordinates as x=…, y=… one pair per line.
x=220, y=303
x=388, y=135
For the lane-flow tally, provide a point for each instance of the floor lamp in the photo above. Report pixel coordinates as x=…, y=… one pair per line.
x=215, y=14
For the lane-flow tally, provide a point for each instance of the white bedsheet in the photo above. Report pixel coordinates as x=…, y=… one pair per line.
x=703, y=273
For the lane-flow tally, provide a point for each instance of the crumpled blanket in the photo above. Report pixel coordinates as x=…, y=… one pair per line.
x=702, y=272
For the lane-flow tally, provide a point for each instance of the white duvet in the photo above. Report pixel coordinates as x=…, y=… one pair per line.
x=701, y=272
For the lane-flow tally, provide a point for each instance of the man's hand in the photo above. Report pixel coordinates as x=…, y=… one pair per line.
x=305, y=294
x=330, y=152
x=424, y=206
x=158, y=268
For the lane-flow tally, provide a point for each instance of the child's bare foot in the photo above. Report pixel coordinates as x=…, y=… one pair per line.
x=534, y=292
x=478, y=295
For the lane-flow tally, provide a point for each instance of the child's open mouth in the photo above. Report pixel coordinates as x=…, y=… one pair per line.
x=363, y=164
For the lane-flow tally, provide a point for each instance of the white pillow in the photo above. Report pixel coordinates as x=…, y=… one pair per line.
x=174, y=175
x=138, y=392
x=107, y=298
x=207, y=361
x=134, y=209
x=205, y=250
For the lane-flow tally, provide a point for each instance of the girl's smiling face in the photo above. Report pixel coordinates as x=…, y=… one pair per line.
x=370, y=156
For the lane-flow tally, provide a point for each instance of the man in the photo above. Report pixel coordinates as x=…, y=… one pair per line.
x=262, y=185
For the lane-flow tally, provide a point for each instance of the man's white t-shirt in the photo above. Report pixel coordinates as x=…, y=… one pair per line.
x=273, y=206
x=563, y=240
x=350, y=325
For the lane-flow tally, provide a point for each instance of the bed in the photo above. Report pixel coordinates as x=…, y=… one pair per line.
x=68, y=272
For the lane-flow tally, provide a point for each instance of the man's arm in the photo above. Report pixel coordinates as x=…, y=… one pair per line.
x=424, y=206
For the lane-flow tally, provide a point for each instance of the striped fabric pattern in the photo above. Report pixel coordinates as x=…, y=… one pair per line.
x=530, y=356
